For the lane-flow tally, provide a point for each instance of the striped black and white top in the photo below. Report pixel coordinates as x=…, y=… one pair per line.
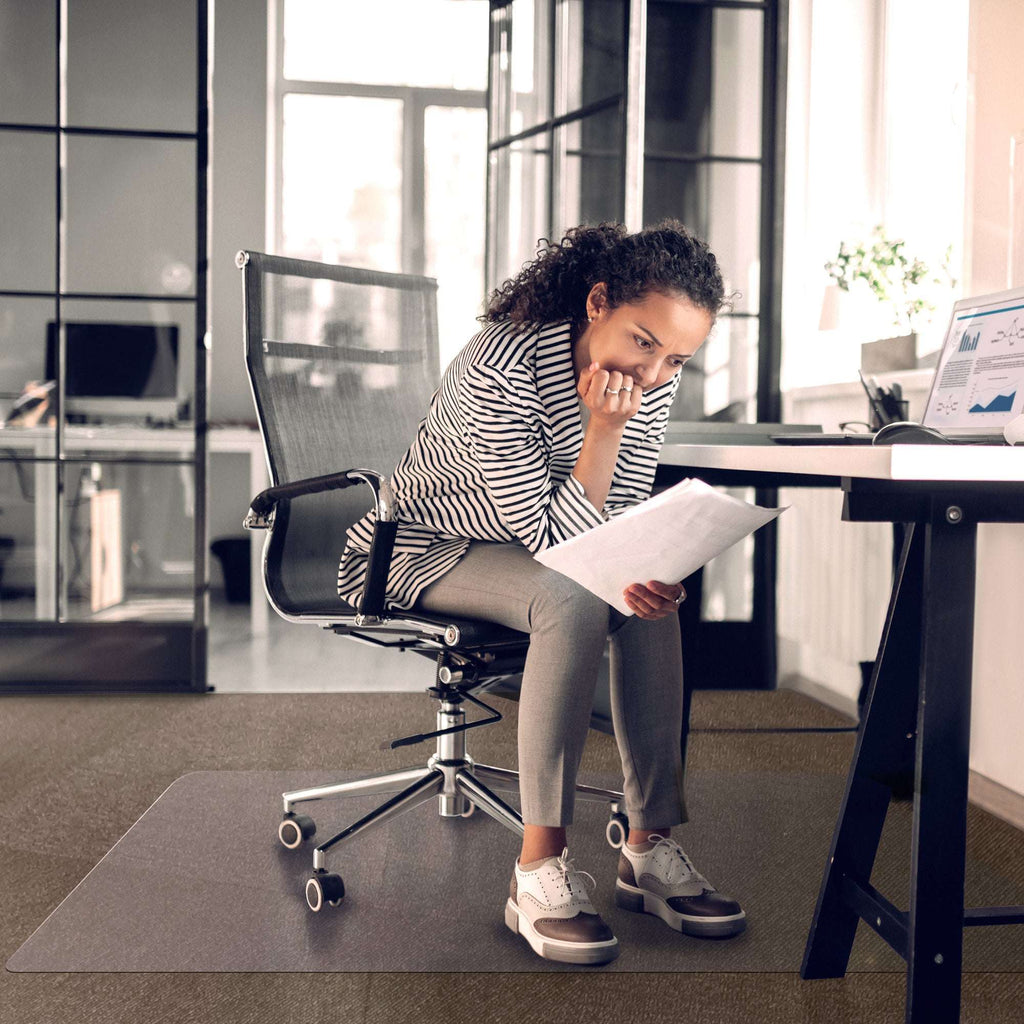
x=493, y=461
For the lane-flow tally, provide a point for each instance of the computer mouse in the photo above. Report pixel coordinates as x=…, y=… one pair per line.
x=907, y=432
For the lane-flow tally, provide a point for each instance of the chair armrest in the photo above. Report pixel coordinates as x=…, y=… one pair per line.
x=371, y=602
x=261, y=508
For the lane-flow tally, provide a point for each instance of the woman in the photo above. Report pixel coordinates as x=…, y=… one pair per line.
x=549, y=421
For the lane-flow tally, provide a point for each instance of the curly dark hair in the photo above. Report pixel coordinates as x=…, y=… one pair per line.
x=554, y=286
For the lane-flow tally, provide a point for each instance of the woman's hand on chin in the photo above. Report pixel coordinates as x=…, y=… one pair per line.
x=612, y=397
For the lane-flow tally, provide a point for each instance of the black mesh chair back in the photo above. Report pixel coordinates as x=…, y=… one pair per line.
x=343, y=363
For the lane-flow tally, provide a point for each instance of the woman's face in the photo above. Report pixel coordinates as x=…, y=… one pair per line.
x=648, y=340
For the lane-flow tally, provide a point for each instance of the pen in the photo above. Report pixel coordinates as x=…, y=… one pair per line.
x=874, y=394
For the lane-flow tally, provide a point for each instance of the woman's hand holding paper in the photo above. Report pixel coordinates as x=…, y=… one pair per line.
x=655, y=600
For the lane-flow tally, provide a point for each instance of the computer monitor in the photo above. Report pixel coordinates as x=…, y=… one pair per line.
x=117, y=370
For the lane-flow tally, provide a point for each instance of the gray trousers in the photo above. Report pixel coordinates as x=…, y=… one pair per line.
x=569, y=627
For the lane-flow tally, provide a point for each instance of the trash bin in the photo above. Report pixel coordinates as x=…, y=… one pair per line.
x=233, y=553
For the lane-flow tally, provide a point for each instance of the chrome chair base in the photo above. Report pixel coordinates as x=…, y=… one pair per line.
x=460, y=785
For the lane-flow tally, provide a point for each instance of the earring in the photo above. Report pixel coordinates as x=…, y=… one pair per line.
x=590, y=319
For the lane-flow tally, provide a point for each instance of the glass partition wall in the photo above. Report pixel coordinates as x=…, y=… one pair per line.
x=634, y=111
x=103, y=158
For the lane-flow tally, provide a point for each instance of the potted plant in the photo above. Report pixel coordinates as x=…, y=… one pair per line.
x=904, y=285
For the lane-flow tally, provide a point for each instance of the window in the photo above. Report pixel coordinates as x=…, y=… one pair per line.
x=380, y=142
x=570, y=80
x=873, y=138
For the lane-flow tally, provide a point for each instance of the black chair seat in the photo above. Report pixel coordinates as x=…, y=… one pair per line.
x=472, y=632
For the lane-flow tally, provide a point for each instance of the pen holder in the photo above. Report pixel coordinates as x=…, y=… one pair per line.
x=875, y=422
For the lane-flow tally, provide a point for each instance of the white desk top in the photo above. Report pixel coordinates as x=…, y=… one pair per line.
x=893, y=462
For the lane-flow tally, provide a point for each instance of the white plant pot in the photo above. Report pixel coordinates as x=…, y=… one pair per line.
x=889, y=354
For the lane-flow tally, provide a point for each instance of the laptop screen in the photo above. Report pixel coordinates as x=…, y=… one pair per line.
x=979, y=380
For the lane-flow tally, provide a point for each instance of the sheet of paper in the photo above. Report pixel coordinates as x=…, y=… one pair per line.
x=664, y=538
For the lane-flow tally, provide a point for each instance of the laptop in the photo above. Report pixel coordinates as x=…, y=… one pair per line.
x=978, y=384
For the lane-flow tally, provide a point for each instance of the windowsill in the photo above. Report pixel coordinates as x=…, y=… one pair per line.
x=845, y=401
x=917, y=380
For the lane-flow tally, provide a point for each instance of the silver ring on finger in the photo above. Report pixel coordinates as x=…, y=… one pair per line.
x=612, y=391
x=627, y=391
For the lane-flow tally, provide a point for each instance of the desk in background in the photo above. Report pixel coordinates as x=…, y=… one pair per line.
x=38, y=443
x=917, y=714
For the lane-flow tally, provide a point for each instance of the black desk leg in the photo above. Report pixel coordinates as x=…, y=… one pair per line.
x=882, y=756
x=936, y=918
x=920, y=693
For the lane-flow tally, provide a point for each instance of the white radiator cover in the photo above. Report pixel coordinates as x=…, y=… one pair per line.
x=834, y=578
x=832, y=592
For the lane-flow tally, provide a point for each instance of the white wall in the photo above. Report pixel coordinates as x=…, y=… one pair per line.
x=996, y=68
x=997, y=112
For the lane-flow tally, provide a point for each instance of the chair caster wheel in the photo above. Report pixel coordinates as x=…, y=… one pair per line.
x=324, y=888
x=617, y=830
x=295, y=829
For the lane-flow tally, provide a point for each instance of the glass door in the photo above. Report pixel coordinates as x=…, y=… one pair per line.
x=103, y=137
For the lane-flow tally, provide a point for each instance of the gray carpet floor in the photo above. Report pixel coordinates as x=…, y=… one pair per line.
x=78, y=772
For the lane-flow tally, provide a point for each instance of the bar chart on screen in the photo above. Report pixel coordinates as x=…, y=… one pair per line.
x=968, y=343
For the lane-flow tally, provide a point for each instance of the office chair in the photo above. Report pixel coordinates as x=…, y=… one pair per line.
x=342, y=363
